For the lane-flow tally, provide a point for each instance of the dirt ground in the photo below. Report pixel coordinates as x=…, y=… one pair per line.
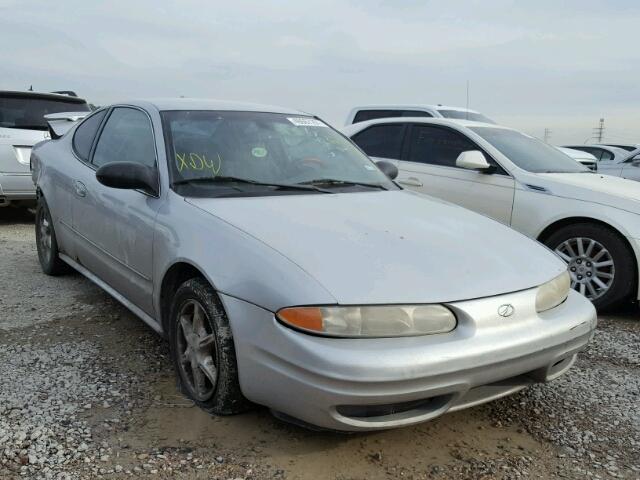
x=88, y=391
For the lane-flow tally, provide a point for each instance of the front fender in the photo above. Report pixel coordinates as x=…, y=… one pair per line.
x=234, y=263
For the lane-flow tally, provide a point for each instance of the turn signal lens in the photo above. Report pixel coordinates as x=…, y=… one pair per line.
x=553, y=293
x=370, y=321
x=307, y=318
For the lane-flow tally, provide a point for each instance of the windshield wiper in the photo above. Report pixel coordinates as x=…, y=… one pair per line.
x=333, y=181
x=227, y=179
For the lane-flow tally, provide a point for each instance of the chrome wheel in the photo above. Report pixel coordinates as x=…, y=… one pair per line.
x=590, y=265
x=44, y=229
x=197, y=351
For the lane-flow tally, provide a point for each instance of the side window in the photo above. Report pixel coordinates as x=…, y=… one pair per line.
x=437, y=146
x=127, y=136
x=596, y=152
x=364, y=115
x=383, y=141
x=606, y=155
x=85, y=133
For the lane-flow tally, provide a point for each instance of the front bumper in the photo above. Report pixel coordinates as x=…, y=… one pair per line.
x=635, y=244
x=370, y=384
x=16, y=186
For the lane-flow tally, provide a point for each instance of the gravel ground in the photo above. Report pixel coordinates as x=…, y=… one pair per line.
x=88, y=392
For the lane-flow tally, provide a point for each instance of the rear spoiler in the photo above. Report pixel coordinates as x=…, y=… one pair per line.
x=60, y=123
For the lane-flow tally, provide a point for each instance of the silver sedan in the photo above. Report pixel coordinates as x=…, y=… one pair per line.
x=288, y=270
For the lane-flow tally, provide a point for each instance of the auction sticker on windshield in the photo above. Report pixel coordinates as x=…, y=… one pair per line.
x=306, y=122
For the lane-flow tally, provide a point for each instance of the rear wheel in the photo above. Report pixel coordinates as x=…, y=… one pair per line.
x=599, y=261
x=46, y=242
x=202, y=350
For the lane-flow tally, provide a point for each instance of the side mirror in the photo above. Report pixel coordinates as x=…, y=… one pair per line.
x=128, y=175
x=388, y=168
x=473, y=160
x=635, y=161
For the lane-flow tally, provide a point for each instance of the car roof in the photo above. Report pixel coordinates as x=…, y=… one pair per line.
x=608, y=148
x=41, y=95
x=167, y=104
x=611, y=147
x=577, y=153
x=412, y=107
x=356, y=127
x=591, y=145
x=617, y=144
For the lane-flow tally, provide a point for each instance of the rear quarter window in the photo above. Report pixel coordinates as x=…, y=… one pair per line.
x=85, y=133
x=384, y=141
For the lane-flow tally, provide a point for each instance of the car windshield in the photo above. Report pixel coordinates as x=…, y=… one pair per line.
x=464, y=115
x=28, y=111
x=528, y=152
x=215, y=153
x=631, y=155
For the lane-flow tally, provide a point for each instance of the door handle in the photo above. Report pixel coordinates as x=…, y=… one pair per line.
x=411, y=181
x=81, y=190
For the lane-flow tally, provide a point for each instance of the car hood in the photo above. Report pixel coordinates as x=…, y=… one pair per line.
x=392, y=246
x=592, y=187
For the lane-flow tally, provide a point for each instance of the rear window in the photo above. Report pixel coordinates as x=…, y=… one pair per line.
x=364, y=115
x=27, y=112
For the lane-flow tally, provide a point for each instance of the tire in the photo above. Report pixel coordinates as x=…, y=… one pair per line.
x=601, y=255
x=207, y=374
x=46, y=242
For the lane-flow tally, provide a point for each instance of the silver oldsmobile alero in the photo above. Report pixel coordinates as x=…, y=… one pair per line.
x=287, y=269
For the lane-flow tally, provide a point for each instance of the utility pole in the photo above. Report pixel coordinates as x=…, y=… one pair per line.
x=467, y=100
x=547, y=135
x=598, y=132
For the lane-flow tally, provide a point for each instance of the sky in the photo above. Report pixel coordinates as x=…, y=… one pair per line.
x=560, y=65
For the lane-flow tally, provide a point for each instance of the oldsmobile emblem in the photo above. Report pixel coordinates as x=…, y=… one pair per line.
x=506, y=310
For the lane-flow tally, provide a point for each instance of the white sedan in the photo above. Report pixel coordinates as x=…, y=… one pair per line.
x=592, y=221
x=615, y=161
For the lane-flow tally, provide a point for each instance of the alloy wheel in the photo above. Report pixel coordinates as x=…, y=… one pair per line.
x=197, y=352
x=590, y=265
x=45, y=235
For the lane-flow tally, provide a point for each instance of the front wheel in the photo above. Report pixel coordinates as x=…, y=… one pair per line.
x=600, y=263
x=202, y=350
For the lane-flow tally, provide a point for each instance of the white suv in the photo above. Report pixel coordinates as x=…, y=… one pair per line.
x=22, y=125
x=373, y=112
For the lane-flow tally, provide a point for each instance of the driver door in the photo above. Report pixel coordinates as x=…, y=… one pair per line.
x=115, y=227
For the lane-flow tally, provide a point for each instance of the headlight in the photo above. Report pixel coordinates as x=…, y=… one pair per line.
x=553, y=293
x=370, y=321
